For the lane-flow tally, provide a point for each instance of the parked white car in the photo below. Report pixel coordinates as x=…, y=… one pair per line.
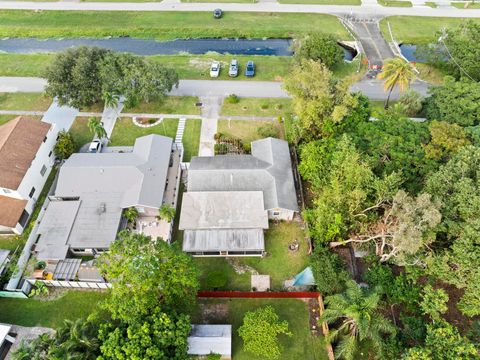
x=95, y=146
x=233, y=70
x=215, y=69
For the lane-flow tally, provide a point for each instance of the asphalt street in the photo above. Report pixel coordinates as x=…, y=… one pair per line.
x=368, y=10
x=372, y=88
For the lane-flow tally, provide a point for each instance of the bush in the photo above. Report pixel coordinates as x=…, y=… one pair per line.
x=328, y=270
x=247, y=147
x=320, y=47
x=213, y=356
x=40, y=265
x=233, y=99
x=216, y=279
x=65, y=145
x=411, y=103
x=267, y=130
x=264, y=106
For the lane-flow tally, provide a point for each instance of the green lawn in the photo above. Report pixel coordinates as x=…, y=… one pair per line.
x=246, y=130
x=31, y=312
x=280, y=263
x=24, y=64
x=191, y=138
x=125, y=132
x=163, y=25
x=302, y=345
x=24, y=101
x=257, y=107
x=10, y=242
x=418, y=30
x=395, y=3
x=431, y=4
x=463, y=5
x=169, y=105
x=80, y=132
x=322, y=2
x=220, y=1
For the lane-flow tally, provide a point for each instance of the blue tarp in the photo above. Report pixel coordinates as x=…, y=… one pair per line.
x=304, y=278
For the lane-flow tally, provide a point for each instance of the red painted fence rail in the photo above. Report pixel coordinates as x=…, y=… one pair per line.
x=259, y=294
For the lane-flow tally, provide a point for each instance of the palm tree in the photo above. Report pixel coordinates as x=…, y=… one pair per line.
x=96, y=127
x=131, y=214
x=396, y=72
x=111, y=100
x=357, y=309
x=166, y=212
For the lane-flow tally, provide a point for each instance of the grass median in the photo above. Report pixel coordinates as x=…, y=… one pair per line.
x=163, y=25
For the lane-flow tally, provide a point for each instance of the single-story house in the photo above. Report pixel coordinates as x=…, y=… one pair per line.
x=230, y=199
x=210, y=339
x=85, y=213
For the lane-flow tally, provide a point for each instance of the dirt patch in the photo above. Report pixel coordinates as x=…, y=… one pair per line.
x=313, y=310
x=213, y=313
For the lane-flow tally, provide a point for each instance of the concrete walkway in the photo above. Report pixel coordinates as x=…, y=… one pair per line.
x=210, y=113
x=110, y=116
x=366, y=10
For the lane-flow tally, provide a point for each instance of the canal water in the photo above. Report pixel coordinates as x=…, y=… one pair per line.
x=272, y=47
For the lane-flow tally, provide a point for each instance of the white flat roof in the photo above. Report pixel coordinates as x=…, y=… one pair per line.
x=206, y=339
x=4, y=330
x=208, y=210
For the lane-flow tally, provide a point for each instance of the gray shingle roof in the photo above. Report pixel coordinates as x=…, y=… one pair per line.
x=268, y=169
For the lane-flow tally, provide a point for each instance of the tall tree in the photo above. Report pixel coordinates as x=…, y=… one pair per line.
x=96, y=127
x=111, y=100
x=74, y=76
x=260, y=330
x=446, y=140
x=455, y=101
x=357, y=311
x=404, y=228
x=319, y=100
x=159, y=336
x=146, y=273
x=320, y=47
x=396, y=72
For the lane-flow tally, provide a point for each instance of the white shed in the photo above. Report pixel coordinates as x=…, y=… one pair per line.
x=206, y=339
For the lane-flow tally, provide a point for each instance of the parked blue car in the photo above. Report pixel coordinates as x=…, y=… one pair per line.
x=250, y=69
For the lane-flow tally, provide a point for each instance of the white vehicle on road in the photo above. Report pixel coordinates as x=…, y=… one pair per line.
x=215, y=69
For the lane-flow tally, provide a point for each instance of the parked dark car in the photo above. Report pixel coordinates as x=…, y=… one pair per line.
x=217, y=13
x=250, y=69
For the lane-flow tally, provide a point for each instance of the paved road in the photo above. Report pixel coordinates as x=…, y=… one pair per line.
x=214, y=88
x=367, y=10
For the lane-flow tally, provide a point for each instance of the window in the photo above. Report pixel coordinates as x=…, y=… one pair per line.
x=276, y=213
x=45, y=139
x=31, y=192
x=6, y=191
x=44, y=170
x=50, y=153
x=23, y=218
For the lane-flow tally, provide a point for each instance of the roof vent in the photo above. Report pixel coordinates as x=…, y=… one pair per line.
x=102, y=208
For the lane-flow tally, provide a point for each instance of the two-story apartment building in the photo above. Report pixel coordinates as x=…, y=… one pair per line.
x=26, y=159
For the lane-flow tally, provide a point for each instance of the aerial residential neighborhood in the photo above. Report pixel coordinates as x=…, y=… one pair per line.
x=233, y=179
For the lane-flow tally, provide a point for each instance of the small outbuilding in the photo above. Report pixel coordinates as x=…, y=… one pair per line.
x=211, y=339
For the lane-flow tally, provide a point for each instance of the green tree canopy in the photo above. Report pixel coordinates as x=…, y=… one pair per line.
x=319, y=100
x=328, y=270
x=320, y=47
x=82, y=76
x=65, y=145
x=434, y=302
x=260, y=330
x=443, y=342
x=446, y=140
x=464, y=56
x=145, y=273
x=455, y=101
x=159, y=336
x=357, y=310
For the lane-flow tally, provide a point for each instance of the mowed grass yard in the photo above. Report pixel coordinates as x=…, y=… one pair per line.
x=49, y=313
x=24, y=101
x=191, y=138
x=418, y=30
x=163, y=25
x=280, y=263
x=125, y=131
x=246, y=130
x=257, y=107
x=301, y=345
x=168, y=105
